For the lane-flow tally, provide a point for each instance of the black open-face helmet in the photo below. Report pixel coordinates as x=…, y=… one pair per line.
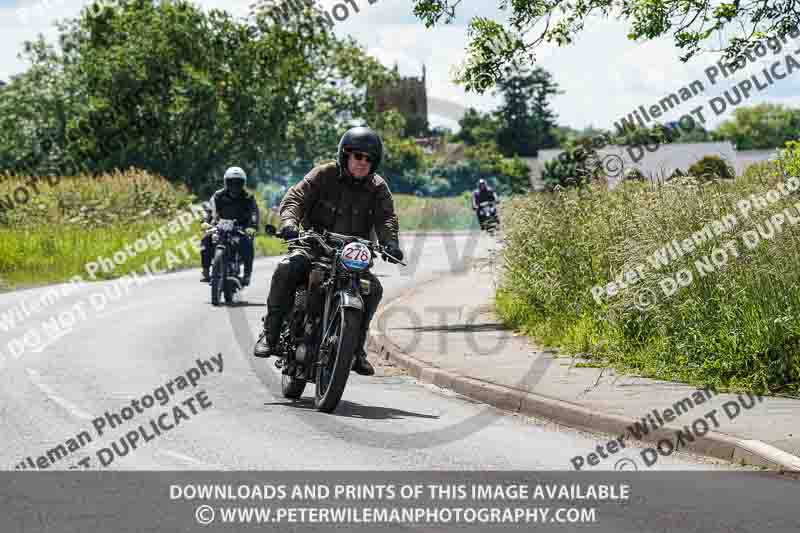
x=361, y=139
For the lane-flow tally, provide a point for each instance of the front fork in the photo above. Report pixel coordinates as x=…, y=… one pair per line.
x=345, y=297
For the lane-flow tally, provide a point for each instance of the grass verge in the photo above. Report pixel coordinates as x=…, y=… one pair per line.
x=49, y=233
x=722, y=312
x=425, y=214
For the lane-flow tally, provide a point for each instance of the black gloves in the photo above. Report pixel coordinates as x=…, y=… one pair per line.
x=288, y=232
x=393, y=249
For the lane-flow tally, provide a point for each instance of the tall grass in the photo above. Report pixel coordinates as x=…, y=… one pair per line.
x=69, y=222
x=58, y=226
x=737, y=327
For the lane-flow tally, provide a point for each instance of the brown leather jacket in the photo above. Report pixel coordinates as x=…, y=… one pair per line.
x=324, y=199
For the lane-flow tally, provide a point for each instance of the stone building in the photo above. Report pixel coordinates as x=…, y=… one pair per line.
x=409, y=97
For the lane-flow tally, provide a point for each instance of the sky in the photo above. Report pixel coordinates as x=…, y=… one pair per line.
x=603, y=75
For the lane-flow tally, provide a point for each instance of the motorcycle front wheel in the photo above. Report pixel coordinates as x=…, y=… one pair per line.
x=332, y=377
x=229, y=291
x=217, y=276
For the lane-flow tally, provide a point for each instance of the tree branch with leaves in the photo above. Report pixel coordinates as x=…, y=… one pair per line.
x=736, y=26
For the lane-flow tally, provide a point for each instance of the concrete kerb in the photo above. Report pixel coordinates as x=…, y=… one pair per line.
x=712, y=444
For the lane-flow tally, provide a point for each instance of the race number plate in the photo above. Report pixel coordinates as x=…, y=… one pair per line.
x=356, y=256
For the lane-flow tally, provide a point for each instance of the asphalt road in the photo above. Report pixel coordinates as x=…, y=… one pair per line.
x=124, y=347
x=59, y=398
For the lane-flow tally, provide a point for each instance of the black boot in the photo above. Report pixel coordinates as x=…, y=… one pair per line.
x=362, y=366
x=206, y=277
x=268, y=341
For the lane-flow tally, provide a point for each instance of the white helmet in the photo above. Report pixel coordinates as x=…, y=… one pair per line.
x=235, y=179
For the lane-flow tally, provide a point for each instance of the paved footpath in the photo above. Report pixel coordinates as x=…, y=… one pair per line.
x=446, y=333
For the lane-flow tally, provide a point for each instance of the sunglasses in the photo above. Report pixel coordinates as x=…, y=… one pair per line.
x=361, y=157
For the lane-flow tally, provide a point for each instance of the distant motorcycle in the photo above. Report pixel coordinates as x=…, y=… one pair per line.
x=227, y=263
x=487, y=216
x=318, y=339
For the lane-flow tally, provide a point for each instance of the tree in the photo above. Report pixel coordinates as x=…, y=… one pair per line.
x=761, y=126
x=526, y=120
x=168, y=87
x=34, y=110
x=477, y=128
x=403, y=161
x=564, y=134
x=692, y=24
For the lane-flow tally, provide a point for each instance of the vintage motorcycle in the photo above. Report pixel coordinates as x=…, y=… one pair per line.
x=318, y=339
x=227, y=263
x=487, y=214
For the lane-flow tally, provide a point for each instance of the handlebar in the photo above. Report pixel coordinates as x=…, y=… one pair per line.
x=322, y=238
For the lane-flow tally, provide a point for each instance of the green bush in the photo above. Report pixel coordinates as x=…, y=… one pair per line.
x=711, y=167
x=577, y=165
x=634, y=174
x=561, y=173
x=677, y=173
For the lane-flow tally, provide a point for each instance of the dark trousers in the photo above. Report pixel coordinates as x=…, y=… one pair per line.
x=246, y=252
x=291, y=273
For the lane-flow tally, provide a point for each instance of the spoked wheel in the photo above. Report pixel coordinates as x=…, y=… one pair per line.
x=332, y=374
x=217, y=279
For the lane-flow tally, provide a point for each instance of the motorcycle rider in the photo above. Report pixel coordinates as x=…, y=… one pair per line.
x=232, y=202
x=343, y=197
x=483, y=193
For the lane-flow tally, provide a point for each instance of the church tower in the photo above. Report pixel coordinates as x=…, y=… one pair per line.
x=409, y=97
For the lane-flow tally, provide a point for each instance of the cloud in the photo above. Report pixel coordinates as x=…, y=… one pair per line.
x=603, y=75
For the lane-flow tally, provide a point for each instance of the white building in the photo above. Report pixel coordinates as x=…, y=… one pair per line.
x=659, y=164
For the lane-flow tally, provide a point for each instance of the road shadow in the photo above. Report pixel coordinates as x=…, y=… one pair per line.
x=459, y=328
x=348, y=409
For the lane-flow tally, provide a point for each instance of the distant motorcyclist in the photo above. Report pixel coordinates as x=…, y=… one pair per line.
x=345, y=197
x=483, y=193
x=232, y=202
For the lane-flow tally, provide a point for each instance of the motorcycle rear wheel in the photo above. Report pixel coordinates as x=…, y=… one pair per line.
x=332, y=378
